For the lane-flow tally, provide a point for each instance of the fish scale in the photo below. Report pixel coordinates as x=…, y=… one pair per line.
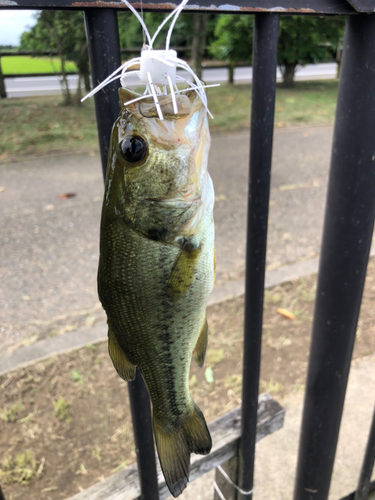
x=168, y=323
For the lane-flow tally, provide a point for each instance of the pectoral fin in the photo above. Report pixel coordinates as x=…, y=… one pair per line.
x=201, y=345
x=124, y=368
x=183, y=271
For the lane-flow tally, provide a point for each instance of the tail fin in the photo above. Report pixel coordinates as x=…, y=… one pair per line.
x=174, y=449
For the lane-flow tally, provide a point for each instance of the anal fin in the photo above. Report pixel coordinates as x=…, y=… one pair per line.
x=201, y=345
x=124, y=367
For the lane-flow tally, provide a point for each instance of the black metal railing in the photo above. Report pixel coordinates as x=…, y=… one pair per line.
x=347, y=234
x=266, y=29
x=348, y=228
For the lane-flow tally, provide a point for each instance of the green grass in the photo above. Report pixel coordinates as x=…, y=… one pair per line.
x=308, y=103
x=41, y=125
x=10, y=414
x=20, y=469
x=17, y=65
x=61, y=409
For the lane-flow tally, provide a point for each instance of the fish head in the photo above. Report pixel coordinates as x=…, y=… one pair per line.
x=161, y=165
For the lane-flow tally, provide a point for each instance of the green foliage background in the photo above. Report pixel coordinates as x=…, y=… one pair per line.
x=302, y=39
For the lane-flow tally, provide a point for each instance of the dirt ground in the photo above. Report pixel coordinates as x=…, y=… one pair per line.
x=65, y=423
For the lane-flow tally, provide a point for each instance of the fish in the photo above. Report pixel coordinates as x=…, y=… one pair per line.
x=157, y=264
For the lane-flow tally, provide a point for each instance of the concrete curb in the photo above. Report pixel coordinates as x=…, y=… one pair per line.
x=74, y=340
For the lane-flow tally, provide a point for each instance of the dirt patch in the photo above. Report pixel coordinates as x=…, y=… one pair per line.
x=65, y=423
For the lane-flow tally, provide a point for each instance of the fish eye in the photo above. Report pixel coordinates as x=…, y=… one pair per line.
x=134, y=148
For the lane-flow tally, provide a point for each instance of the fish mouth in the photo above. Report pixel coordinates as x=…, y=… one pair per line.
x=190, y=195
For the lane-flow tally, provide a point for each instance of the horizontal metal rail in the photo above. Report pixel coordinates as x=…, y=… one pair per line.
x=225, y=433
x=294, y=7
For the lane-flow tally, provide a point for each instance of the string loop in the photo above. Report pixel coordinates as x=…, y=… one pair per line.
x=240, y=490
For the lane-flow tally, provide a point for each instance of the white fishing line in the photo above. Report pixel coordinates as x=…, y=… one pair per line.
x=161, y=26
x=156, y=100
x=218, y=491
x=240, y=490
x=157, y=68
x=129, y=5
x=175, y=110
x=178, y=12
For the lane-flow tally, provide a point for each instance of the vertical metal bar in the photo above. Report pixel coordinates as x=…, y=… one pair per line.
x=368, y=465
x=104, y=52
x=143, y=438
x=348, y=227
x=3, y=93
x=352, y=496
x=266, y=28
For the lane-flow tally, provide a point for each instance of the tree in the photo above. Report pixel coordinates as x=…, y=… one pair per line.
x=233, y=40
x=302, y=40
x=131, y=34
x=198, y=45
x=191, y=30
x=76, y=50
x=306, y=40
x=64, y=32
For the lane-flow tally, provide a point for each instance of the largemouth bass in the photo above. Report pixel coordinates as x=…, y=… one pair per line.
x=156, y=266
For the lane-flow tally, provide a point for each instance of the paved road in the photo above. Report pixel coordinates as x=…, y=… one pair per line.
x=49, y=246
x=23, y=87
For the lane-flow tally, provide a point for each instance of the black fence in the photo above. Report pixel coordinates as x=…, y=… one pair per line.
x=348, y=228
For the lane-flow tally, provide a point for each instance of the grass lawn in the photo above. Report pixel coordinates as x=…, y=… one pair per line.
x=41, y=125
x=308, y=103
x=17, y=65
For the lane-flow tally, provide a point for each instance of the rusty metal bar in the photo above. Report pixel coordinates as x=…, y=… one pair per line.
x=266, y=30
x=348, y=228
x=293, y=7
